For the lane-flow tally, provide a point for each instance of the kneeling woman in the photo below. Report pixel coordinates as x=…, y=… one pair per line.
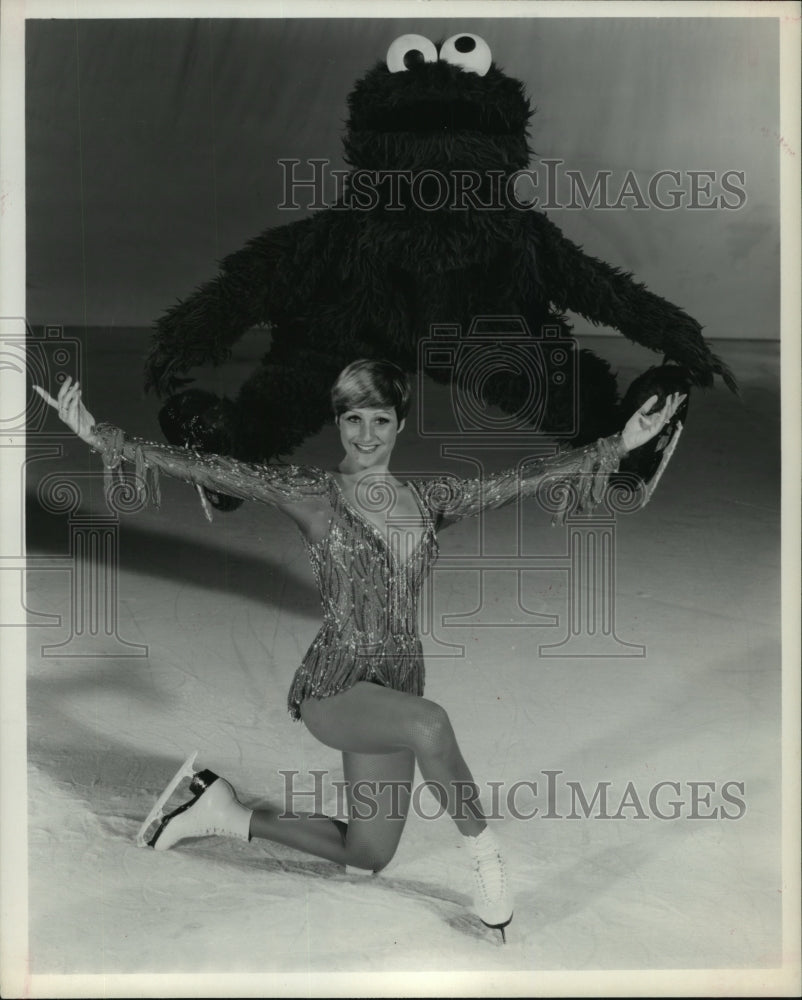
x=371, y=541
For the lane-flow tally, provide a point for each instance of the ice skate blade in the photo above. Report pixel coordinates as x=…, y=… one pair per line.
x=499, y=928
x=667, y=453
x=186, y=770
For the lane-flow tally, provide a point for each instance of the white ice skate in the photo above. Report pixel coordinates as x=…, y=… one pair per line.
x=492, y=901
x=213, y=810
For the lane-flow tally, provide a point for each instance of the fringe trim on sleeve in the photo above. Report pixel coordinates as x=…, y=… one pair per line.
x=110, y=443
x=587, y=485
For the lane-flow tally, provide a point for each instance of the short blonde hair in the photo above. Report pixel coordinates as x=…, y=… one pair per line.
x=369, y=384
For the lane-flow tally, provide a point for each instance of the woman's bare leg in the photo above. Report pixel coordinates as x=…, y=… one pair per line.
x=309, y=832
x=380, y=733
x=378, y=793
x=370, y=719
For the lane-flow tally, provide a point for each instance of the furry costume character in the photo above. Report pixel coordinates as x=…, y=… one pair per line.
x=369, y=276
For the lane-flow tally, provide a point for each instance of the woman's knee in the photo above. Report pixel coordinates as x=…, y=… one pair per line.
x=373, y=857
x=433, y=732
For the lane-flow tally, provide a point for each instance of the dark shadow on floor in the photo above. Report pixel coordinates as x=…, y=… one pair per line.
x=167, y=556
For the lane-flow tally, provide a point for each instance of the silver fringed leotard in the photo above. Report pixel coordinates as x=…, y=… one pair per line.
x=369, y=581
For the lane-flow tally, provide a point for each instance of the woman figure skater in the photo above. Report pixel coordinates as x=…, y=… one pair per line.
x=359, y=688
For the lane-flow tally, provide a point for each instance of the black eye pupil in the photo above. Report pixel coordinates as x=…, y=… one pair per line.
x=413, y=58
x=465, y=44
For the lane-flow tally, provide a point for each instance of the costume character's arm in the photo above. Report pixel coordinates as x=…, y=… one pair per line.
x=572, y=279
x=572, y=480
x=281, y=485
x=202, y=328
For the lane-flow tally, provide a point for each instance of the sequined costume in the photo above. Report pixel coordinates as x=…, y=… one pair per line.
x=369, y=581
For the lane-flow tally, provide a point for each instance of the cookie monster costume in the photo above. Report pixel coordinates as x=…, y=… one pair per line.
x=426, y=231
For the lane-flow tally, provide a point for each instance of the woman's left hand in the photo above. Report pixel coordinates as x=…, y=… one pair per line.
x=642, y=425
x=71, y=409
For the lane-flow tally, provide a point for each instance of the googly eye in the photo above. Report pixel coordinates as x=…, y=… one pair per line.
x=408, y=51
x=469, y=52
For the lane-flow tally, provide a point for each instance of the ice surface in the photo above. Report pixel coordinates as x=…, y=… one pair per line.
x=226, y=611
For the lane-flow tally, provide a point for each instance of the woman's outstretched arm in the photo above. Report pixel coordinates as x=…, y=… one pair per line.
x=274, y=484
x=577, y=477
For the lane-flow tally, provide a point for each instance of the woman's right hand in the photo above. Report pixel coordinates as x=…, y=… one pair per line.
x=71, y=409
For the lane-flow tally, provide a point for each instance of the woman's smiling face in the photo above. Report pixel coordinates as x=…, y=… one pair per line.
x=368, y=436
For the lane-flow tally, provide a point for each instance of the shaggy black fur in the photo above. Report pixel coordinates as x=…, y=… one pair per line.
x=369, y=278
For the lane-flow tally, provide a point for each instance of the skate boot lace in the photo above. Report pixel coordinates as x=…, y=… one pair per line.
x=491, y=873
